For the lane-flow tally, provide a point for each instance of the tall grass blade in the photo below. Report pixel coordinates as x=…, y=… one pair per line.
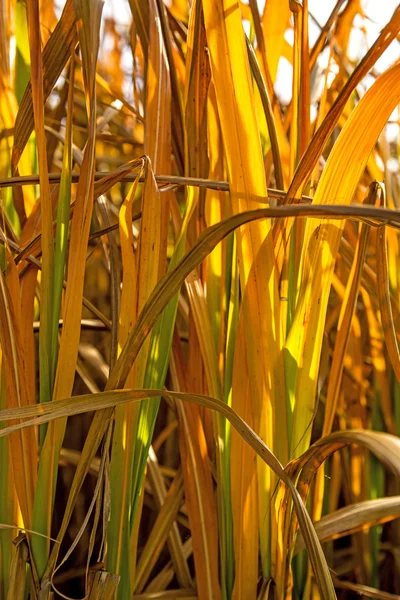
x=89, y=15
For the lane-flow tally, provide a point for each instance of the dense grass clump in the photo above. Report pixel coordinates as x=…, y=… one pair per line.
x=199, y=301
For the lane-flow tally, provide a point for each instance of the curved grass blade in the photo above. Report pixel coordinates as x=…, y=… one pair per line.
x=269, y=115
x=170, y=284
x=385, y=447
x=90, y=402
x=354, y=517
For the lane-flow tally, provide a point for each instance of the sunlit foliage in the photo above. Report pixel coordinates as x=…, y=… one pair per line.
x=199, y=300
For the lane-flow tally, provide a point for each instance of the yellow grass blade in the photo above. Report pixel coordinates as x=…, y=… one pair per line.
x=200, y=501
x=18, y=203
x=125, y=415
x=235, y=102
x=151, y=261
x=202, y=325
x=346, y=315
x=244, y=476
x=205, y=320
x=338, y=183
x=152, y=251
x=344, y=329
x=143, y=266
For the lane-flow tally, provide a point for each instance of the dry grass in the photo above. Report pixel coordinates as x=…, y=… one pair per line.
x=199, y=304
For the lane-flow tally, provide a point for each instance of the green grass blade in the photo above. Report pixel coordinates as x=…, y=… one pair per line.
x=63, y=216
